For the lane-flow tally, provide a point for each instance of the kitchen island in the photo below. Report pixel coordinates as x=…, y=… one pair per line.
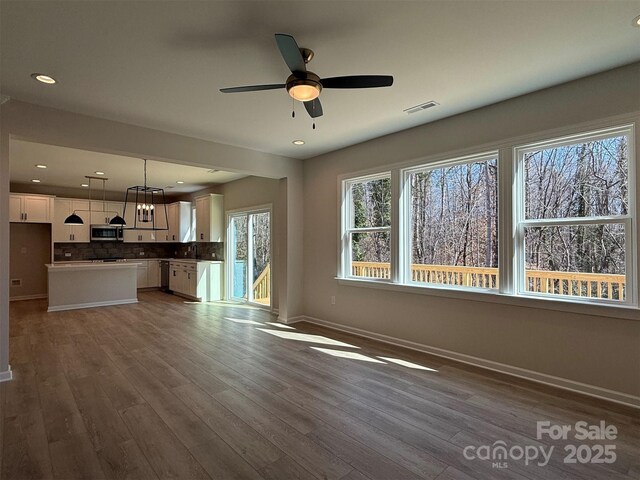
x=87, y=285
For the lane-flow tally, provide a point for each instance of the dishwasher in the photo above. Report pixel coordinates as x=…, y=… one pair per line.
x=164, y=275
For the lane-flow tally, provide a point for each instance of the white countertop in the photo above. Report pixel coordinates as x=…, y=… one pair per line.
x=133, y=260
x=77, y=266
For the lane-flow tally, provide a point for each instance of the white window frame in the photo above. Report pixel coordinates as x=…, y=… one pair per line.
x=347, y=229
x=520, y=222
x=508, y=195
x=405, y=213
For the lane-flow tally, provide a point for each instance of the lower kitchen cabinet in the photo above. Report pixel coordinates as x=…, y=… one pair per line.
x=198, y=280
x=148, y=273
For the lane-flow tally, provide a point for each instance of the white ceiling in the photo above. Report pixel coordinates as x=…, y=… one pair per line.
x=160, y=64
x=67, y=167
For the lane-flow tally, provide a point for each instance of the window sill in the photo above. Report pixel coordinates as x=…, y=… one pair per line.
x=490, y=296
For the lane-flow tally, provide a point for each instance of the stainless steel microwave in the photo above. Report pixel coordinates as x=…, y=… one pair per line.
x=106, y=233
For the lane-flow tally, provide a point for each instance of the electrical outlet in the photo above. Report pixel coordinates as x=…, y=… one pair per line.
x=142, y=254
x=333, y=299
x=16, y=282
x=67, y=254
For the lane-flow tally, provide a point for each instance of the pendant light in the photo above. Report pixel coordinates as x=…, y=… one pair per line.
x=75, y=219
x=145, y=199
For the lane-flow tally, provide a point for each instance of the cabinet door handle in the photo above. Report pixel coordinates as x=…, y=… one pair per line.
x=202, y=236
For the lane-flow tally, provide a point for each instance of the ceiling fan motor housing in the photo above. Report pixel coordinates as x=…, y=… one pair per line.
x=299, y=79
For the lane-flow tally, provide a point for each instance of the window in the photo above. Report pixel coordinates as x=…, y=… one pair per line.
x=452, y=224
x=567, y=224
x=367, y=232
x=573, y=217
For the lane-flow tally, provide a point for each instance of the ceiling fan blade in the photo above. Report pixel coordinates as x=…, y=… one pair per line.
x=290, y=52
x=252, y=88
x=358, y=81
x=314, y=108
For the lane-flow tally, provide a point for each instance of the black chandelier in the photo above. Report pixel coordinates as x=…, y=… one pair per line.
x=145, y=199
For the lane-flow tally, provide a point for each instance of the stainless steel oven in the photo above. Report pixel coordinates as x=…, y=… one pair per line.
x=106, y=233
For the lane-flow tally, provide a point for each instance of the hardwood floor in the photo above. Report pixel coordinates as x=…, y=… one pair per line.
x=171, y=389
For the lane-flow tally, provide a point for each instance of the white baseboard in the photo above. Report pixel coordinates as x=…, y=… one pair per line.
x=28, y=297
x=563, y=383
x=6, y=375
x=77, y=306
x=290, y=320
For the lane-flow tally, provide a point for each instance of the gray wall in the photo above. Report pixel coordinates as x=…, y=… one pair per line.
x=599, y=351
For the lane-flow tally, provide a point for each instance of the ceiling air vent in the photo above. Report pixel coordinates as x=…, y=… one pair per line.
x=419, y=108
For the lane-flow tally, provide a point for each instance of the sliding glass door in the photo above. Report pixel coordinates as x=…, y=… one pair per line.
x=249, y=240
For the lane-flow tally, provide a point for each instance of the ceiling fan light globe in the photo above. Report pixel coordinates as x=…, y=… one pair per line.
x=304, y=87
x=304, y=93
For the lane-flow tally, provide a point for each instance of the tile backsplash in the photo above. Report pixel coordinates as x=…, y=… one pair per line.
x=101, y=250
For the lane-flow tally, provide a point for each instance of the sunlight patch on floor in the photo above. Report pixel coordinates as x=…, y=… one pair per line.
x=349, y=355
x=306, y=337
x=242, y=320
x=280, y=325
x=232, y=304
x=407, y=364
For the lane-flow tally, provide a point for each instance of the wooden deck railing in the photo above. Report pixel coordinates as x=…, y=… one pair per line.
x=596, y=285
x=262, y=286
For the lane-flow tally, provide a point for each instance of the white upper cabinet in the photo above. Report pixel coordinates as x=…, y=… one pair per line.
x=210, y=218
x=61, y=233
x=180, y=228
x=103, y=212
x=145, y=232
x=30, y=208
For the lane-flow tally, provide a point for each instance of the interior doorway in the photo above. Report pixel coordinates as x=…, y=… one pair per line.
x=249, y=254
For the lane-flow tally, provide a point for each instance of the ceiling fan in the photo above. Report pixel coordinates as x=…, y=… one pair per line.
x=304, y=85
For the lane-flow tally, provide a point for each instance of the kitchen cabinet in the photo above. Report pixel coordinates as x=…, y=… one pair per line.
x=153, y=273
x=148, y=275
x=210, y=218
x=62, y=208
x=201, y=280
x=30, y=208
x=141, y=235
x=180, y=227
x=142, y=276
x=103, y=212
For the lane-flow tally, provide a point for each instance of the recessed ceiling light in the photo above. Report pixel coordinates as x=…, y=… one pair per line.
x=35, y=180
x=84, y=185
x=41, y=77
x=636, y=21
x=41, y=166
x=298, y=142
x=99, y=173
x=179, y=182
